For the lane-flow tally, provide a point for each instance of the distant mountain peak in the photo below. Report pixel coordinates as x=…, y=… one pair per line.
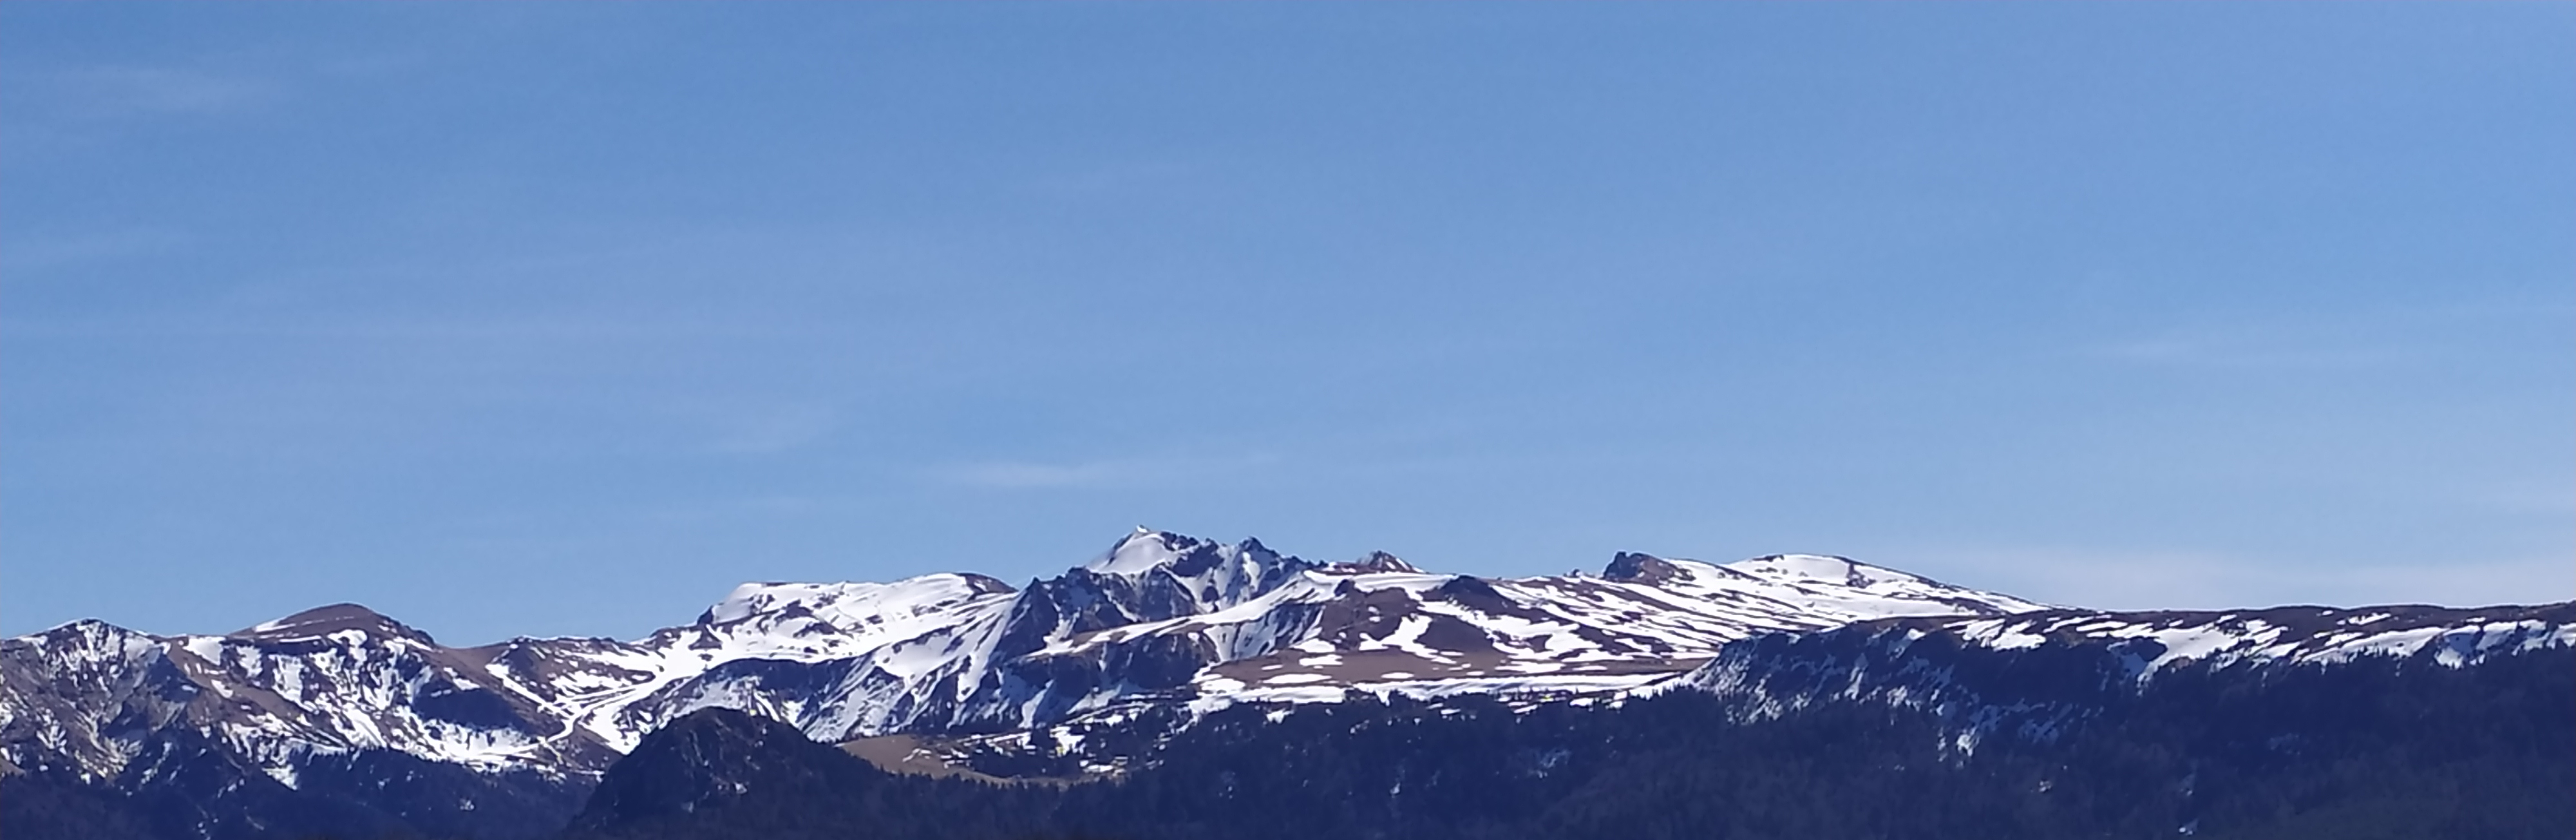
x=1824, y=568
x=1143, y=551
x=855, y=601
x=1641, y=568
x=1232, y=572
x=326, y=620
x=1376, y=562
x=1815, y=566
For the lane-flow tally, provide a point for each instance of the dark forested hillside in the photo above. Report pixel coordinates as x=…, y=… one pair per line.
x=2321, y=752
x=719, y=774
x=201, y=792
x=2385, y=749
x=1828, y=738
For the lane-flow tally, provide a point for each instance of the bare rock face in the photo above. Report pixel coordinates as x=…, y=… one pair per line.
x=1640, y=568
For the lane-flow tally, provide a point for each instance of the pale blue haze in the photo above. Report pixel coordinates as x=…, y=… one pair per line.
x=563, y=319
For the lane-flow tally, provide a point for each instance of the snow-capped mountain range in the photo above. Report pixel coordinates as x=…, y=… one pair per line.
x=1159, y=618
x=2032, y=675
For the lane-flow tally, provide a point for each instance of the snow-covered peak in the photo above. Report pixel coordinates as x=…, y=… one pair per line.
x=1143, y=551
x=91, y=638
x=851, y=604
x=1205, y=575
x=1819, y=568
x=1871, y=591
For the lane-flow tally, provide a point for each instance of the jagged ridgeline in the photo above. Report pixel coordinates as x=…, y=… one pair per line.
x=1178, y=687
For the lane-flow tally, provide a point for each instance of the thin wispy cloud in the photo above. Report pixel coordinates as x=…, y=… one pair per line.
x=2252, y=353
x=1098, y=474
x=2361, y=339
x=777, y=431
x=2549, y=501
x=336, y=326
x=2149, y=579
x=21, y=256
x=1115, y=178
x=117, y=91
x=367, y=271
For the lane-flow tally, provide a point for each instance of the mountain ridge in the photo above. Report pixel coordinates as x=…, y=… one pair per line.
x=1156, y=613
x=1084, y=671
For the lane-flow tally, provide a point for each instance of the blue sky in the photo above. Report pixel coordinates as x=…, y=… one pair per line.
x=564, y=319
